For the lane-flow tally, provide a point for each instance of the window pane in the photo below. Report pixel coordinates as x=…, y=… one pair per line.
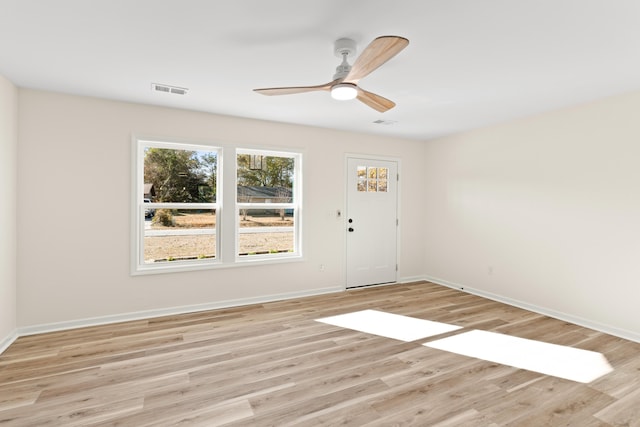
x=382, y=185
x=362, y=185
x=266, y=231
x=180, y=176
x=373, y=186
x=179, y=234
x=372, y=173
x=362, y=172
x=265, y=178
x=382, y=173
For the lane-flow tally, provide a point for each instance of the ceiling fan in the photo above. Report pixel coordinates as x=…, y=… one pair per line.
x=344, y=85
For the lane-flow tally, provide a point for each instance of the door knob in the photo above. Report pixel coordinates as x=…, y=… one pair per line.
x=350, y=229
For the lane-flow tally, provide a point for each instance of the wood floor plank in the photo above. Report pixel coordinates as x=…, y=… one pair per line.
x=273, y=364
x=624, y=411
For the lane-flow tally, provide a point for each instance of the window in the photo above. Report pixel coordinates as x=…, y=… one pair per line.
x=267, y=204
x=178, y=209
x=372, y=179
x=176, y=204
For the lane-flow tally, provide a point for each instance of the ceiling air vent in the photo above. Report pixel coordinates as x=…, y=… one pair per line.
x=385, y=122
x=169, y=89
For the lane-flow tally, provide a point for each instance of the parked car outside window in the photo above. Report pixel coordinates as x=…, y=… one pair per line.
x=149, y=213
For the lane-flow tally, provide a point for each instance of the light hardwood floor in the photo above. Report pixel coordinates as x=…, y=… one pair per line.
x=273, y=365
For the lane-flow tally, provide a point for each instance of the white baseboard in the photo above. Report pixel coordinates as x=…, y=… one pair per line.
x=103, y=320
x=8, y=340
x=411, y=279
x=148, y=314
x=607, y=329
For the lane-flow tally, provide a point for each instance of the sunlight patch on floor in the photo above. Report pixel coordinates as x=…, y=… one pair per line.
x=550, y=359
x=389, y=325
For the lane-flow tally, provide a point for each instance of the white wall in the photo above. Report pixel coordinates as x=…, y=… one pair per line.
x=544, y=212
x=74, y=208
x=541, y=212
x=8, y=203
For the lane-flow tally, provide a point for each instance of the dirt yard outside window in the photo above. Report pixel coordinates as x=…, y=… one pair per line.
x=192, y=237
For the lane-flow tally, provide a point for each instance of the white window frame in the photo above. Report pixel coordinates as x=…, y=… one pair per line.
x=295, y=206
x=227, y=213
x=138, y=264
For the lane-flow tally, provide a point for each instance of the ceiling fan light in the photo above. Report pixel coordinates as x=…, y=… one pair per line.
x=344, y=91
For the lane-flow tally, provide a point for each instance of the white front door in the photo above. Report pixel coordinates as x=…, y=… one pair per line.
x=372, y=205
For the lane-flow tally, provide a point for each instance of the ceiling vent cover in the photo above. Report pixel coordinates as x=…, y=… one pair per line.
x=169, y=89
x=385, y=122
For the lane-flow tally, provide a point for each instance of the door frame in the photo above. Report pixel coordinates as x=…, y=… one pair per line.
x=352, y=155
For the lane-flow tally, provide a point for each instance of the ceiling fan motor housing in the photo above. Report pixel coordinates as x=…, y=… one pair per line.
x=344, y=48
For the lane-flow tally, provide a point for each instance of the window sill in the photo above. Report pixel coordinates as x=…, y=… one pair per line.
x=179, y=266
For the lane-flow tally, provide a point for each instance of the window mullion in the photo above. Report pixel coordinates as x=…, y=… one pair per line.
x=229, y=219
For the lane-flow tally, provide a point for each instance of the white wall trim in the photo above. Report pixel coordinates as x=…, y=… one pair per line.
x=8, y=340
x=411, y=279
x=141, y=315
x=148, y=314
x=607, y=329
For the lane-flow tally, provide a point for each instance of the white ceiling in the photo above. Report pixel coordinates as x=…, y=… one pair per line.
x=470, y=63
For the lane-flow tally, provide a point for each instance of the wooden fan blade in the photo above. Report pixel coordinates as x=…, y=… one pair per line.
x=295, y=89
x=377, y=53
x=374, y=101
